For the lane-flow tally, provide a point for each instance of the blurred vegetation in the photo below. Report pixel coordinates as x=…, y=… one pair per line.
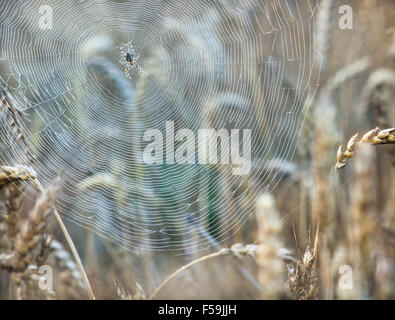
x=314, y=219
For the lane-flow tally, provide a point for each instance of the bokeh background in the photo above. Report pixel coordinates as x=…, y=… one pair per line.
x=284, y=69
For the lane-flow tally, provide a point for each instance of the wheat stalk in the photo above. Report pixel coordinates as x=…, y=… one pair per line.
x=325, y=20
x=372, y=137
x=271, y=266
x=364, y=229
x=11, y=111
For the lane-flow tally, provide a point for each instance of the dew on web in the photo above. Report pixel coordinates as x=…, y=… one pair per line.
x=108, y=71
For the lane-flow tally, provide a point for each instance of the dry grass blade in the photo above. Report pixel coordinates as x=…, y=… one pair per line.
x=237, y=250
x=372, y=137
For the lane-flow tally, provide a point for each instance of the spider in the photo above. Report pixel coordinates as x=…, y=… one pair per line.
x=129, y=59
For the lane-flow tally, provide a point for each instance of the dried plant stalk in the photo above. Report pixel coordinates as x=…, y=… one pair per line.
x=271, y=266
x=372, y=137
x=323, y=199
x=364, y=231
x=326, y=18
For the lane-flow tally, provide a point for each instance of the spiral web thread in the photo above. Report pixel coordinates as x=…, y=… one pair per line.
x=207, y=64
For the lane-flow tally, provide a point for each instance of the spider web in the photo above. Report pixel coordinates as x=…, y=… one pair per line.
x=207, y=64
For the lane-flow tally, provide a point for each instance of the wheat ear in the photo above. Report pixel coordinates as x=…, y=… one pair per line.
x=71, y=245
x=372, y=137
x=302, y=277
